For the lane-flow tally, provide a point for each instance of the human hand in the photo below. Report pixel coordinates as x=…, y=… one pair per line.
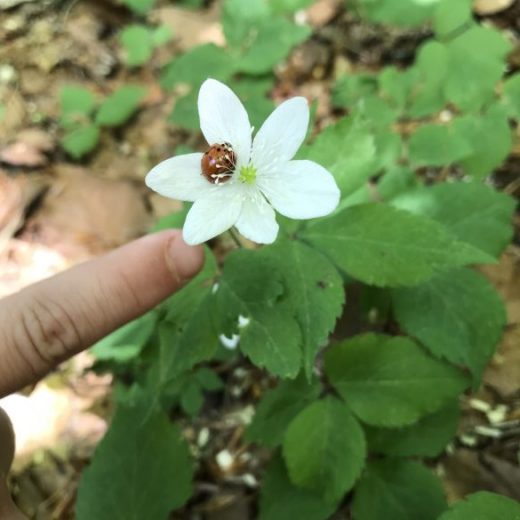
x=52, y=320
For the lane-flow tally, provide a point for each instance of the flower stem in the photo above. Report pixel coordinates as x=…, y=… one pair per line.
x=235, y=238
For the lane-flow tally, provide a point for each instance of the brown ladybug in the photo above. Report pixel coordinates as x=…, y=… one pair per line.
x=218, y=163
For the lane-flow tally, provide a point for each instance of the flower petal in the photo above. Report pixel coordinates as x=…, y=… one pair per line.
x=301, y=190
x=257, y=220
x=282, y=133
x=212, y=214
x=223, y=119
x=179, y=178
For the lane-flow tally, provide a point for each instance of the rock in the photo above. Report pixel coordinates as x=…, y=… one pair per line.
x=22, y=154
x=84, y=215
x=486, y=7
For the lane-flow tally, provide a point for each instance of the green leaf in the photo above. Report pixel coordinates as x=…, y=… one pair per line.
x=140, y=6
x=314, y=293
x=324, y=449
x=192, y=398
x=426, y=438
x=185, y=112
x=278, y=408
x=81, y=141
x=280, y=499
x=271, y=42
x=491, y=139
x=288, y=6
x=269, y=336
x=484, y=506
x=351, y=88
x=398, y=490
x=347, y=149
x=512, y=95
x=254, y=93
x=141, y=455
x=76, y=105
x=390, y=381
x=407, y=13
x=383, y=246
x=476, y=64
x=475, y=213
x=239, y=20
x=161, y=35
x=138, y=45
x=427, y=96
x=396, y=181
x=120, y=106
x=196, y=65
x=189, y=334
x=450, y=16
x=128, y=341
x=208, y=379
x=438, y=145
x=457, y=315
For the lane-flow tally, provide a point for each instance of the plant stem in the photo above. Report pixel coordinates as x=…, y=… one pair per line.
x=235, y=238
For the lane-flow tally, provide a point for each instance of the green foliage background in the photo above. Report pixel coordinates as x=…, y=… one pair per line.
x=413, y=155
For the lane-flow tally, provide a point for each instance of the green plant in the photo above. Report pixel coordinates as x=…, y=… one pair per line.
x=410, y=157
x=81, y=118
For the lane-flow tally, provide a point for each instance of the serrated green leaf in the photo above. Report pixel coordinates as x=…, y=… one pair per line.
x=427, y=96
x=450, y=16
x=278, y=408
x=196, y=65
x=314, y=292
x=484, y=506
x=137, y=43
x=141, y=455
x=457, y=315
x=390, y=381
x=476, y=64
x=490, y=137
x=81, y=141
x=120, y=106
x=475, y=213
x=347, y=149
x=183, y=342
x=426, y=438
x=387, y=247
x=324, y=449
x=271, y=43
x=280, y=499
x=438, y=145
x=398, y=490
x=128, y=341
x=270, y=336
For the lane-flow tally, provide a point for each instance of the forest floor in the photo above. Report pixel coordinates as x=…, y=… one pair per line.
x=55, y=213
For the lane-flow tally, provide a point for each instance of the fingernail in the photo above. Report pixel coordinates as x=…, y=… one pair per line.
x=184, y=261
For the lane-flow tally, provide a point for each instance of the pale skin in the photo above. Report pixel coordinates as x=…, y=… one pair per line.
x=46, y=323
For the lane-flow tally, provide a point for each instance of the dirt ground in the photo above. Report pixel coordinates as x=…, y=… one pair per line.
x=55, y=213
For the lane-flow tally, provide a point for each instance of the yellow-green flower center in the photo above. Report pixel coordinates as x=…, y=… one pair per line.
x=247, y=174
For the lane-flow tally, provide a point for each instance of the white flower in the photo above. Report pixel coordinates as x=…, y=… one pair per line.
x=247, y=178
